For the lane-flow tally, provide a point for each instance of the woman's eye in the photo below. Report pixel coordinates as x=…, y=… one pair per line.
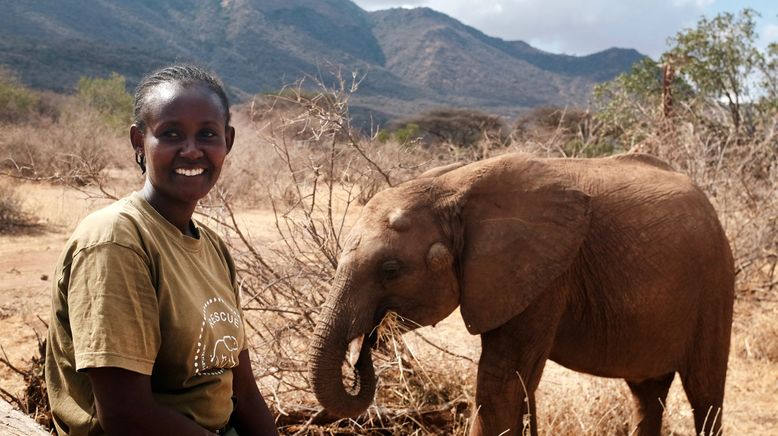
x=172, y=134
x=390, y=269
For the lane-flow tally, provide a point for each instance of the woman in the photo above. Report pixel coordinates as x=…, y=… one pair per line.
x=146, y=334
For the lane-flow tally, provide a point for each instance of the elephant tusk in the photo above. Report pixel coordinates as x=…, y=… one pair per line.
x=354, y=348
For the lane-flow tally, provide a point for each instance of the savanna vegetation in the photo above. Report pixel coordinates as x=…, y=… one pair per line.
x=300, y=172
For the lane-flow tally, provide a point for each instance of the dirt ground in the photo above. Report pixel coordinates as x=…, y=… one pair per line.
x=26, y=269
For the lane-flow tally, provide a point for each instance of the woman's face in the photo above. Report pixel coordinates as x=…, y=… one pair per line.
x=185, y=142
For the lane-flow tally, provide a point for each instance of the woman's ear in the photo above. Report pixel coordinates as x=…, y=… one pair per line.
x=229, y=137
x=137, y=139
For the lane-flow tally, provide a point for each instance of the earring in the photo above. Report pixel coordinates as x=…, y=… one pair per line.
x=140, y=159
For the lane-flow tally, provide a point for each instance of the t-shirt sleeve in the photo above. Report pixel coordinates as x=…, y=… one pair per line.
x=113, y=309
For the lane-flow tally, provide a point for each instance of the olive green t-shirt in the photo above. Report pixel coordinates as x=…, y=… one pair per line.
x=131, y=291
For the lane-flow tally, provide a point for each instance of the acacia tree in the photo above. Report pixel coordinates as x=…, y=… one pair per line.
x=460, y=127
x=719, y=57
x=630, y=106
x=717, y=62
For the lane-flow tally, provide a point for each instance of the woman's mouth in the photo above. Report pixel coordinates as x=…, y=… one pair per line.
x=189, y=172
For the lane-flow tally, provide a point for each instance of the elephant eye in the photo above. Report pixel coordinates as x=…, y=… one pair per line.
x=390, y=269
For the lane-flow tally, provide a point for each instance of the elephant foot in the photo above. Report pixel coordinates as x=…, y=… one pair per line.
x=649, y=396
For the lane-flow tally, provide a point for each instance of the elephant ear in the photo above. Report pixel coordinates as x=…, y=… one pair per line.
x=517, y=242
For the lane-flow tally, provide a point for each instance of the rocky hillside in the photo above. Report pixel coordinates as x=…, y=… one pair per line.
x=415, y=59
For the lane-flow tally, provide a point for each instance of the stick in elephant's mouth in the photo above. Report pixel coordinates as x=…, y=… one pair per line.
x=354, y=348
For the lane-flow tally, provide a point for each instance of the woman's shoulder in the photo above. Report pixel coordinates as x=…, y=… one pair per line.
x=117, y=223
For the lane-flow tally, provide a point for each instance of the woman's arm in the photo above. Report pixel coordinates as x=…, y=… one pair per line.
x=125, y=406
x=251, y=415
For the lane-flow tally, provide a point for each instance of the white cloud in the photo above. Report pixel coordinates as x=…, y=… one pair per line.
x=698, y=3
x=578, y=27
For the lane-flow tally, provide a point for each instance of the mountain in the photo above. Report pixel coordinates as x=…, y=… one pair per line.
x=415, y=59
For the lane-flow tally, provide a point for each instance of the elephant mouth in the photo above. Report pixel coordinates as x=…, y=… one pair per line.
x=372, y=337
x=359, y=345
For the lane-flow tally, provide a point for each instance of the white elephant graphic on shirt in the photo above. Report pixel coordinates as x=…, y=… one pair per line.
x=224, y=352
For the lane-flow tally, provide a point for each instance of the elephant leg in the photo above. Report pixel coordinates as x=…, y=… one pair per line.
x=704, y=376
x=705, y=390
x=649, y=396
x=512, y=360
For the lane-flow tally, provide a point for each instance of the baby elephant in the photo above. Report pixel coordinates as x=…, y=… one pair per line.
x=616, y=267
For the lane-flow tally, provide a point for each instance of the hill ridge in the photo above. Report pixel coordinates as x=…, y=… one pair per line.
x=416, y=59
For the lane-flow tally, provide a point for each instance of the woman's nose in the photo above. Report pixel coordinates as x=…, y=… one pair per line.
x=191, y=150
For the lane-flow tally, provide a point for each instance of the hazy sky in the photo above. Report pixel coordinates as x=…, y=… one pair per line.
x=587, y=26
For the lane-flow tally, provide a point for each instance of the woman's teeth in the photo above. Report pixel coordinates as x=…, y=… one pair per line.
x=188, y=172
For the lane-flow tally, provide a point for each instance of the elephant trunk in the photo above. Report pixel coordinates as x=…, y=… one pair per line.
x=329, y=347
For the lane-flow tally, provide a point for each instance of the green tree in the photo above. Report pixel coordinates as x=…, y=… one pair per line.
x=460, y=127
x=108, y=96
x=717, y=62
x=719, y=57
x=16, y=101
x=631, y=103
x=407, y=133
x=768, y=101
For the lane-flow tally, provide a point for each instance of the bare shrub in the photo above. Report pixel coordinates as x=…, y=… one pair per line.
x=34, y=401
x=297, y=139
x=570, y=132
x=75, y=149
x=741, y=180
x=13, y=218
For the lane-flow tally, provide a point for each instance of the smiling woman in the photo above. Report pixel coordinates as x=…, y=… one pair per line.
x=147, y=334
x=182, y=138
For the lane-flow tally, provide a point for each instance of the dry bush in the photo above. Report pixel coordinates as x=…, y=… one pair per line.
x=13, y=218
x=296, y=140
x=547, y=121
x=741, y=180
x=74, y=149
x=33, y=401
x=561, y=132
